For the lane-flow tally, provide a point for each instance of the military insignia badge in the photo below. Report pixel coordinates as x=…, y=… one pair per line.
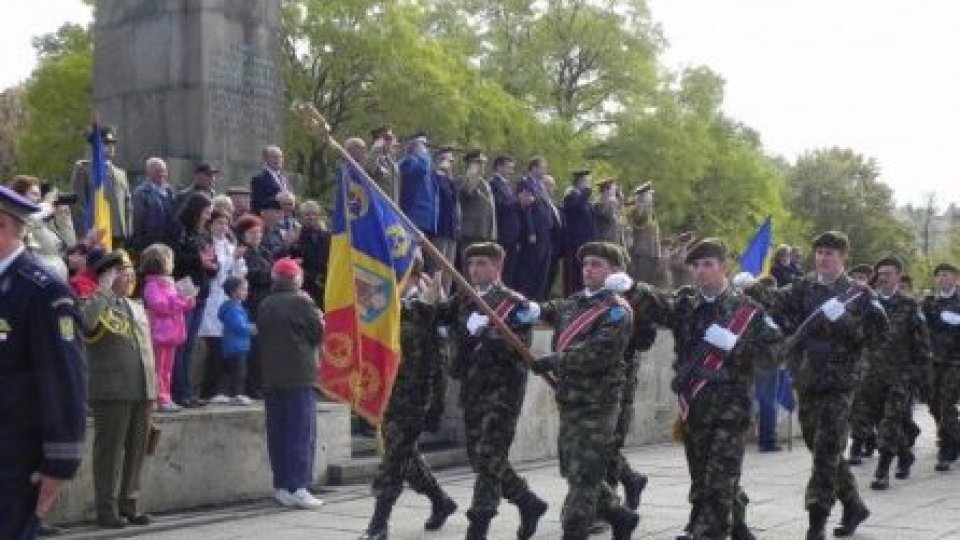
x=67, y=331
x=357, y=200
x=373, y=294
x=399, y=241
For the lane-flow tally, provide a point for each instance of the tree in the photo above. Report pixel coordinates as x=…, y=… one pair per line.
x=11, y=122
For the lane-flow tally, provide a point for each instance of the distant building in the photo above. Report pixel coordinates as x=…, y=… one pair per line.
x=933, y=230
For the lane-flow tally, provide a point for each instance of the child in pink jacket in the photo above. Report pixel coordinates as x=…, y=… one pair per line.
x=165, y=307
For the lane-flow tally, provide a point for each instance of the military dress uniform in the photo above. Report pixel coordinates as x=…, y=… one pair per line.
x=43, y=382
x=493, y=381
x=945, y=387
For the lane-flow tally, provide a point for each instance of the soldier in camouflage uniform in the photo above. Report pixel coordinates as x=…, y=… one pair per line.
x=493, y=380
x=942, y=312
x=863, y=432
x=720, y=335
x=842, y=313
x=418, y=380
x=894, y=362
x=592, y=330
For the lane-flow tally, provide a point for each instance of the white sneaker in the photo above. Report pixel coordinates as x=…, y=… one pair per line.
x=219, y=399
x=241, y=400
x=303, y=499
x=284, y=497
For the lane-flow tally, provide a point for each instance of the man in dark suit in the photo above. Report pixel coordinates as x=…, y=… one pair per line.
x=271, y=181
x=507, y=214
x=579, y=228
x=538, y=220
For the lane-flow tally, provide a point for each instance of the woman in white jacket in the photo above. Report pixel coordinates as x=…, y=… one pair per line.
x=231, y=265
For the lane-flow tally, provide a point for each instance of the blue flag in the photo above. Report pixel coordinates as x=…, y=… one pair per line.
x=756, y=253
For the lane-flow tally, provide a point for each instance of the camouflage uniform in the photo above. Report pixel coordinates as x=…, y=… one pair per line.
x=945, y=387
x=825, y=380
x=893, y=364
x=590, y=377
x=719, y=416
x=493, y=381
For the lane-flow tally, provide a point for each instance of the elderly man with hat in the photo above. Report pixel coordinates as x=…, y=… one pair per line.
x=894, y=362
x=122, y=390
x=592, y=330
x=721, y=337
x=43, y=379
x=381, y=163
x=204, y=181
x=290, y=327
x=941, y=308
x=116, y=187
x=646, y=261
x=846, y=315
x=606, y=212
x=579, y=227
x=493, y=380
x=478, y=212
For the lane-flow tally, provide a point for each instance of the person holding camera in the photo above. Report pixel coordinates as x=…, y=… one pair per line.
x=50, y=231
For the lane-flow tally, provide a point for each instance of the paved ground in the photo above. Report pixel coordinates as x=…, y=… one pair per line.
x=927, y=506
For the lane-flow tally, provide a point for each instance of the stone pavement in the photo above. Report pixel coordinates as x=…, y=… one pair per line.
x=926, y=506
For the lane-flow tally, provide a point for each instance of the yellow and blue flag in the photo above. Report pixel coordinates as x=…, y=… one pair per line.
x=371, y=251
x=97, y=214
x=755, y=255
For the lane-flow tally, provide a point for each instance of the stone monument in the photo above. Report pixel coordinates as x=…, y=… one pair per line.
x=188, y=81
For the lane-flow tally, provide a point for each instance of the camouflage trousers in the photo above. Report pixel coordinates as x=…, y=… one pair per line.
x=402, y=461
x=825, y=423
x=943, y=402
x=586, y=430
x=490, y=414
x=883, y=402
x=714, y=445
x=619, y=468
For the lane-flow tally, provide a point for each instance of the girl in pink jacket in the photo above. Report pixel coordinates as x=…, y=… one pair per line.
x=165, y=306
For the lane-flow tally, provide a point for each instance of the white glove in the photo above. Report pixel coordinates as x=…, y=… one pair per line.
x=528, y=314
x=833, y=309
x=720, y=337
x=618, y=282
x=476, y=322
x=951, y=318
x=743, y=281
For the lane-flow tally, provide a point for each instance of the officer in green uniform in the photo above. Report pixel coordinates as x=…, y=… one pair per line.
x=942, y=312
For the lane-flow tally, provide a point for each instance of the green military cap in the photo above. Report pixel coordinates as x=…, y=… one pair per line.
x=889, y=260
x=708, y=248
x=945, y=267
x=864, y=269
x=491, y=250
x=832, y=240
x=107, y=261
x=611, y=253
x=643, y=188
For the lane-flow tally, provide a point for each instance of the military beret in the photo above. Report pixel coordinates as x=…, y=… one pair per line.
x=832, y=240
x=484, y=249
x=611, y=253
x=708, y=248
x=206, y=168
x=16, y=205
x=106, y=262
x=889, y=261
x=581, y=173
x=474, y=155
x=107, y=132
x=643, y=188
x=945, y=267
x=864, y=269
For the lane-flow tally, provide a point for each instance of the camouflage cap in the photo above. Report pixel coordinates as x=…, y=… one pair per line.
x=832, y=240
x=491, y=250
x=889, y=260
x=611, y=253
x=945, y=267
x=708, y=248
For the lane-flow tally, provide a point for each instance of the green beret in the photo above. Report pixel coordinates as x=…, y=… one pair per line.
x=708, y=248
x=491, y=250
x=612, y=253
x=945, y=267
x=864, y=269
x=889, y=260
x=832, y=240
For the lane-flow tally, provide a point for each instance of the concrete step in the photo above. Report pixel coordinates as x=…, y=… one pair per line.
x=361, y=469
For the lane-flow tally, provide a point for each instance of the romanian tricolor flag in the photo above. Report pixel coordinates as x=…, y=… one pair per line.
x=371, y=251
x=97, y=213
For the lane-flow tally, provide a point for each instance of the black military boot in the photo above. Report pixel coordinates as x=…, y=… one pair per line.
x=943, y=457
x=913, y=431
x=853, y=515
x=633, y=487
x=856, y=452
x=441, y=507
x=881, y=478
x=377, y=529
x=479, y=525
x=687, y=533
x=904, y=461
x=740, y=531
x=622, y=521
x=869, y=445
x=816, y=530
x=532, y=508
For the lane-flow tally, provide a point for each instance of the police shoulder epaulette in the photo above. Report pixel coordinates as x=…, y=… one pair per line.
x=35, y=273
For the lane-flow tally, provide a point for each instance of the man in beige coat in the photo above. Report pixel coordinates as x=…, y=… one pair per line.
x=117, y=188
x=121, y=390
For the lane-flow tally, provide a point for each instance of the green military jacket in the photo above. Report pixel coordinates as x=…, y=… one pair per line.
x=420, y=377
x=119, y=349
x=904, y=350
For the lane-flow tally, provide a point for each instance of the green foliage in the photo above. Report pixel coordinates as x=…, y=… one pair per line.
x=11, y=122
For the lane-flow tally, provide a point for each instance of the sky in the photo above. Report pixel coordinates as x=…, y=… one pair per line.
x=878, y=76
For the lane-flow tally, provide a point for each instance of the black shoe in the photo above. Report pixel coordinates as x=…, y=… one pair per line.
x=817, y=524
x=740, y=531
x=376, y=533
x=478, y=527
x=882, y=475
x=46, y=529
x=532, y=508
x=853, y=516
x=904, y=462
x=442, y=508
x=869, y=446
x=880, y=483
x=623, y=522
x=633, y=487
x=140, y=520
x=110, y=523
x=684, y=536
x=942, y=466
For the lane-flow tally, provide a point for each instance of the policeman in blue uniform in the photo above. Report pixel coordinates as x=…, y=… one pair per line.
x=43, y=380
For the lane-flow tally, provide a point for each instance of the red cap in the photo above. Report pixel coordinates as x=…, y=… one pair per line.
x=286, y=267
